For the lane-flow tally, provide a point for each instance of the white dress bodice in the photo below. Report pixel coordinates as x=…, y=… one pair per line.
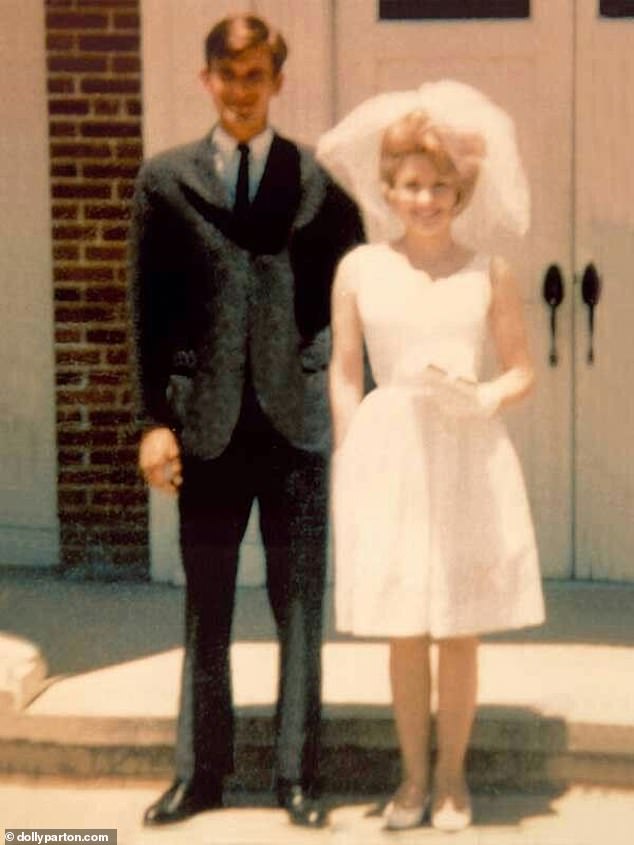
x=410, y=321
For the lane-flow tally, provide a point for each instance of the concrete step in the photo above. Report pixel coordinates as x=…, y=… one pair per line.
x=510, y=748
x=23, y=672
x=361, y=760
x=555, y=705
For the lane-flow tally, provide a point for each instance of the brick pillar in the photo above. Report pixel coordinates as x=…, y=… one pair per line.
x=94, y=80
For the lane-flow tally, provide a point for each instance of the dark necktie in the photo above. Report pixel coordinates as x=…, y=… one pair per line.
x=241, y=203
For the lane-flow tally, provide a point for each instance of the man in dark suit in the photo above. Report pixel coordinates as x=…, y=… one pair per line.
x=235, y=241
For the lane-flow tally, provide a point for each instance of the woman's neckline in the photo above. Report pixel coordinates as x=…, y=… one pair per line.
x=469, y=260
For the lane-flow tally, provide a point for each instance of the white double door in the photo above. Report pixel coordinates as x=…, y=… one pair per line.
x=566, y=74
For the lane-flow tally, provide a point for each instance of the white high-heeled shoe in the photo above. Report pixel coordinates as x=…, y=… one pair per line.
x=399, y=817
x=452, y=819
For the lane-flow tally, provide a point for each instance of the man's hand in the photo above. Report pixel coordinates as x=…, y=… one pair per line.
x=159, y=460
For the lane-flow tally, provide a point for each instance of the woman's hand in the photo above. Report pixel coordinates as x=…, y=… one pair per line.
x=459, y=398
x=159, y=460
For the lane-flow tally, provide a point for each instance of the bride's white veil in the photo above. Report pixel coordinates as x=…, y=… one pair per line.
x=500, y=202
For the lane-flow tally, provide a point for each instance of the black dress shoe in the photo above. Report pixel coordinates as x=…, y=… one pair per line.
x=302, y=809
x=183, y=799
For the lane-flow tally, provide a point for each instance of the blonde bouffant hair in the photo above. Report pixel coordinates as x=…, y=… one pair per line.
x=453, y=153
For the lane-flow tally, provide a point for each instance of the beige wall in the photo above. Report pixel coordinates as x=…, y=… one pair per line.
x=28, y=511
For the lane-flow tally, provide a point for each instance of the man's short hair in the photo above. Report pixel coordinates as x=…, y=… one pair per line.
x=234, y=34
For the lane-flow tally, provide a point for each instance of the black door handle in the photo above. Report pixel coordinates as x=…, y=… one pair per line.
x=553, y=293
x=591, y=293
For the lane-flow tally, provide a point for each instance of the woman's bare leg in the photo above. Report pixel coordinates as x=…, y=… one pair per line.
x=457, y=696
x=410, y=678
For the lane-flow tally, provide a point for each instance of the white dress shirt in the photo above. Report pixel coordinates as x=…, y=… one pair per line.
x=227, y=159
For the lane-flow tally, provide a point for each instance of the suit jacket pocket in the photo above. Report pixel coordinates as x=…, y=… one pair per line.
x=315, y=352
x=178, y=393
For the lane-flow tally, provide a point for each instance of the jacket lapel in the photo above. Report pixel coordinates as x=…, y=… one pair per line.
x=204, y=190
x=202, y=177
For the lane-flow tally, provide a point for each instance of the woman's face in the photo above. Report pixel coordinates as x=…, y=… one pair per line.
x=423, y=198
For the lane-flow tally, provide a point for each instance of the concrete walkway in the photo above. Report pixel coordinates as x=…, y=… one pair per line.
x=578, y=816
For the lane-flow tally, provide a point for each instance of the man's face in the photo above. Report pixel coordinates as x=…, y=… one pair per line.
x=241, y=89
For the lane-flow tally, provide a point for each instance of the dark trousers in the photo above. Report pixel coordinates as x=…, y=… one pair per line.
x=290, y=487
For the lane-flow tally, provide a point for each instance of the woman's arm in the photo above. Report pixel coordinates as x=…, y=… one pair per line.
x=508, y=328
x=345, y=374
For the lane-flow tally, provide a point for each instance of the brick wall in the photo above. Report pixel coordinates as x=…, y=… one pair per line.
x=94, y=80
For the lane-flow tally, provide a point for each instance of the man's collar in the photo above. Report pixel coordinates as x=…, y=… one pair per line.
x=227, y=144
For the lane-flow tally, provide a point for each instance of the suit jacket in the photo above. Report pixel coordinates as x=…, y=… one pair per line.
x=213, y=301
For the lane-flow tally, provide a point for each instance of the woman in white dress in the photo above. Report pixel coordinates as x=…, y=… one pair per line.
x=433, y=535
